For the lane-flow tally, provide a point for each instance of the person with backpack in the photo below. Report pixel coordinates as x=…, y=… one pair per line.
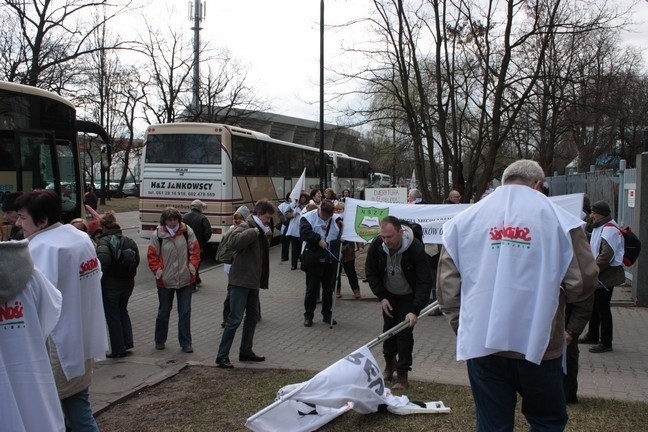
x=607, y=246
x=201, y=228
x=399, y=274
x=226, y=255
x=119, y=257
x=173, y=256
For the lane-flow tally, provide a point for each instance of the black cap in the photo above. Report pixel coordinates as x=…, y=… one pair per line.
x=602, y=208
x=9, y=201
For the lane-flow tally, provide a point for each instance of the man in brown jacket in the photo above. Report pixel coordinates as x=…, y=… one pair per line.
x=250, y=271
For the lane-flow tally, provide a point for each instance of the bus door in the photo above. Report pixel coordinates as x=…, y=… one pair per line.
x=287, y=187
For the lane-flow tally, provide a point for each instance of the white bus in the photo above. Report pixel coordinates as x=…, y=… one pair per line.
x=226, y=167
x=380, y=180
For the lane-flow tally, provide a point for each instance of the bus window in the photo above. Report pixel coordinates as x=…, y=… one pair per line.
x=36, y=162
x=248, y=157
x=189, y=148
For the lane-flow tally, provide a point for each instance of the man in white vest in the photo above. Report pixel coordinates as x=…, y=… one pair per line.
x=67, y=258
x=507, y=267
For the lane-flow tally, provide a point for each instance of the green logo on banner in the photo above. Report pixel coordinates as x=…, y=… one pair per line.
x=367, y=221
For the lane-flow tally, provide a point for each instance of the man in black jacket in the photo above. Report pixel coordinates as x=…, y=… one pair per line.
x=201, y=228
x=399, y=274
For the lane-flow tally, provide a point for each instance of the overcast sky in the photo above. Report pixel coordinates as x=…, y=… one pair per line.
x=278, y=42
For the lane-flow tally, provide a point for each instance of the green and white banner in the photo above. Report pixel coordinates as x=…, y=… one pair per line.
x=362, y=218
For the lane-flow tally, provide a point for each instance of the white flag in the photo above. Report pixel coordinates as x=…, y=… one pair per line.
x=354, y=382
x=299, y=187
x=412, y=184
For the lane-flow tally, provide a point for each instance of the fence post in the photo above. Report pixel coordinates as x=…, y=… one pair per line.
x=640, y=287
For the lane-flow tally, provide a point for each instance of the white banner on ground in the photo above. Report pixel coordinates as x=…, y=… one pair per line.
x=362, y=218
x=354, y=382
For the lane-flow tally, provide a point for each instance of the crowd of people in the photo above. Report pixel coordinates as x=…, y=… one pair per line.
x=516, y=310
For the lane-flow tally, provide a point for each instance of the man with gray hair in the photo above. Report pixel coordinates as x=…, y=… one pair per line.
x=414, y=196
x=202, y=229
x=508, y=266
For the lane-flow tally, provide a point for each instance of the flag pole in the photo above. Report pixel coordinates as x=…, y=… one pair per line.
x=380, y=338
x=400, y=327
x=338, y=281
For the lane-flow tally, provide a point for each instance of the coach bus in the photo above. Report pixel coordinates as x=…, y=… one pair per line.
x=226, y=167
x=38, y=145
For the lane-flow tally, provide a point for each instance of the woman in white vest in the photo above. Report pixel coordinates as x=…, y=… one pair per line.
x=66, y=256
x=30, y=307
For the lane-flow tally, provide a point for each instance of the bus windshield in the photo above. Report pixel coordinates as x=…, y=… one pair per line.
x=183, y=148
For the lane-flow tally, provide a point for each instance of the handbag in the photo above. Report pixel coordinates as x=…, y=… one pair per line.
x=313, y=255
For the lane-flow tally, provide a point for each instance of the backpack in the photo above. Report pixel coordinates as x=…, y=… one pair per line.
x=124, y=257
x=632, y=244
x=223, y=253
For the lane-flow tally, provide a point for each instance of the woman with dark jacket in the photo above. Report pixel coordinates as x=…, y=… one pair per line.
x=116, y=286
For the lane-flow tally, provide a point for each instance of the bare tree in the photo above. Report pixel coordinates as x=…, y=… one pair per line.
x=465, y=76
x=46, y=36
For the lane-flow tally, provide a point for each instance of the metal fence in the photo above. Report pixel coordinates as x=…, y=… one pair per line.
x=615, y=189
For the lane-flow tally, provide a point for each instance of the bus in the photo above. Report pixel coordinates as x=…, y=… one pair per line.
x=226, y=167
x=39, y=147
x=380, y=180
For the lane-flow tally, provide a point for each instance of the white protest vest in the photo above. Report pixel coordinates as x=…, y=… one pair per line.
x=67, y=258
x=613, y=237
x=512, y=250
x=29, y=401
x=320, y=226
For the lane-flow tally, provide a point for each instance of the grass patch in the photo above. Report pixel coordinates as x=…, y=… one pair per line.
x=209, y=399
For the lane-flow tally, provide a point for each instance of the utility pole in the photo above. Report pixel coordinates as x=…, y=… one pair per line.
x=323, y=182
x=196, y=15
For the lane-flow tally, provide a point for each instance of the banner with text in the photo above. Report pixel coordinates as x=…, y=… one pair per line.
x=354, y=382
x=387, y=195
x=362, y=218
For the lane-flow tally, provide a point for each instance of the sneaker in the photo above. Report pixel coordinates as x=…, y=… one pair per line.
x=159, y=345
x=188, y=349
x=224, y=363
x=356, y=294
x=600, y=348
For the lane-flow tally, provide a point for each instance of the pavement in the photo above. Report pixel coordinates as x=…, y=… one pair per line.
x=287, y=344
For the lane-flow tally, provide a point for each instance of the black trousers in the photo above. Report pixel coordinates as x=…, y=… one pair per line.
x=323, y=276
x=600, y=325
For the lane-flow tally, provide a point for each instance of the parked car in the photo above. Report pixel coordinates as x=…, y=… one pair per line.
x=131, y=189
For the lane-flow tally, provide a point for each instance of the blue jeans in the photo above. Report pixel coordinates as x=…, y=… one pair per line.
x=242, y=301
x=78, y=413
x=165, y=295
x=495, y=382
